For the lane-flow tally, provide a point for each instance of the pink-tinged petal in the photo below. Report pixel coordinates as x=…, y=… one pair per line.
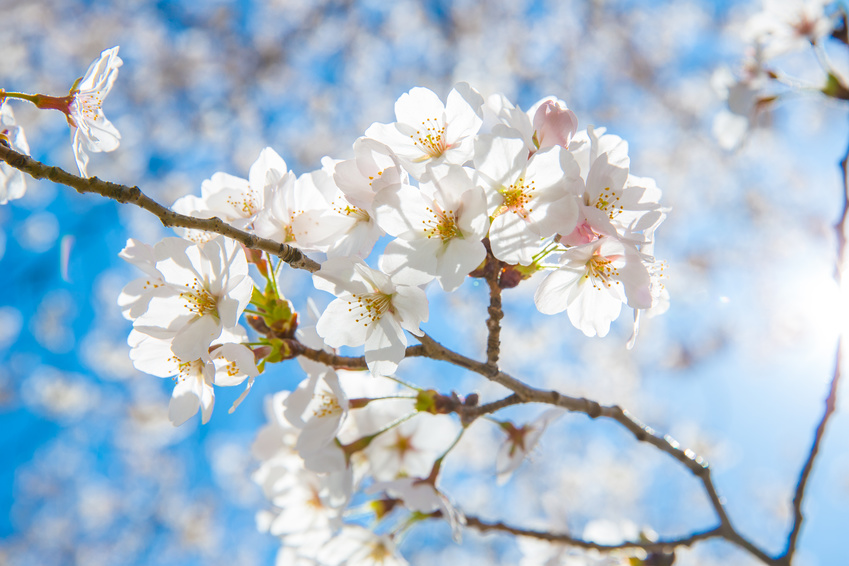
x=336, y=326
x=554, y=124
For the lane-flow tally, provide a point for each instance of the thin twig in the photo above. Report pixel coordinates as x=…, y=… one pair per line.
x=648, y=546
x=341, y=362
x=831, y=400
x=134, y=195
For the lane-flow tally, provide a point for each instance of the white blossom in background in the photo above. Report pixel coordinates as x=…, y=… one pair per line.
x=90, y=130
x=418, y=494
x=520, y=442
x=528, y=199
x=428, y=133
x=743, y=99
x=438, y=227
x=372, y=309
x=412, y=447
x=784, y=26
x=12, y=184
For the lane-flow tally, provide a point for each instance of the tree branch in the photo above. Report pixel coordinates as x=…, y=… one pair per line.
x=492, y=270
x=642, y=432
x=134, y=195
x=831, y=399
x=656, y=546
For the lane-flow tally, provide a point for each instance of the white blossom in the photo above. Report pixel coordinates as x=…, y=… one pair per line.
x=372, y=309
x=428, y=133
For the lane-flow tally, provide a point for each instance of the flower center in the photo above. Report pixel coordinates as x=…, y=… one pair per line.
x=430, y=139
x=516, y=197
x=348, y=209
x=245, y=206
x=198, y=300
x=369, y=307
x=86, y=105
x=326, y=405
x=608, y=201
x=443, y=225
x=601, y=272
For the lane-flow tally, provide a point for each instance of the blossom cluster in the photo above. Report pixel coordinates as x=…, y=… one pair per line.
x=456, y=188
x=447, y=182
x=452, y=186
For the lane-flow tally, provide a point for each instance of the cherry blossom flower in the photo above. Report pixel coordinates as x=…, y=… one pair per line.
x=357, y=546
x=347, y=229
x=421, y=495
x=744, y=98
x=234, y=200
x=554, y=124
x=89, y=127
x=439, y=227
x=225, y=365
x=593, y=281
x=90, y=130
x=136, y=295
x=519, y=443
x=587, y=145
x=296, y=210
x=528, y=199
x=12, y=184
x=430, y=133
x=616, y=203
x=371, y=309
x=318, y=408
x=412, y=447
x=784, y=26
x=207, y=288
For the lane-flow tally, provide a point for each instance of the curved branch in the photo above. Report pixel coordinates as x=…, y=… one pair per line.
x=642, y=432
x=134, y=195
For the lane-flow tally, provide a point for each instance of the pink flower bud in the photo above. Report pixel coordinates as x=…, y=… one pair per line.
x=554, y=124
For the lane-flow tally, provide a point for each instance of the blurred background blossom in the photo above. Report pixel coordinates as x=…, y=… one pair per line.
x=92, y=471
